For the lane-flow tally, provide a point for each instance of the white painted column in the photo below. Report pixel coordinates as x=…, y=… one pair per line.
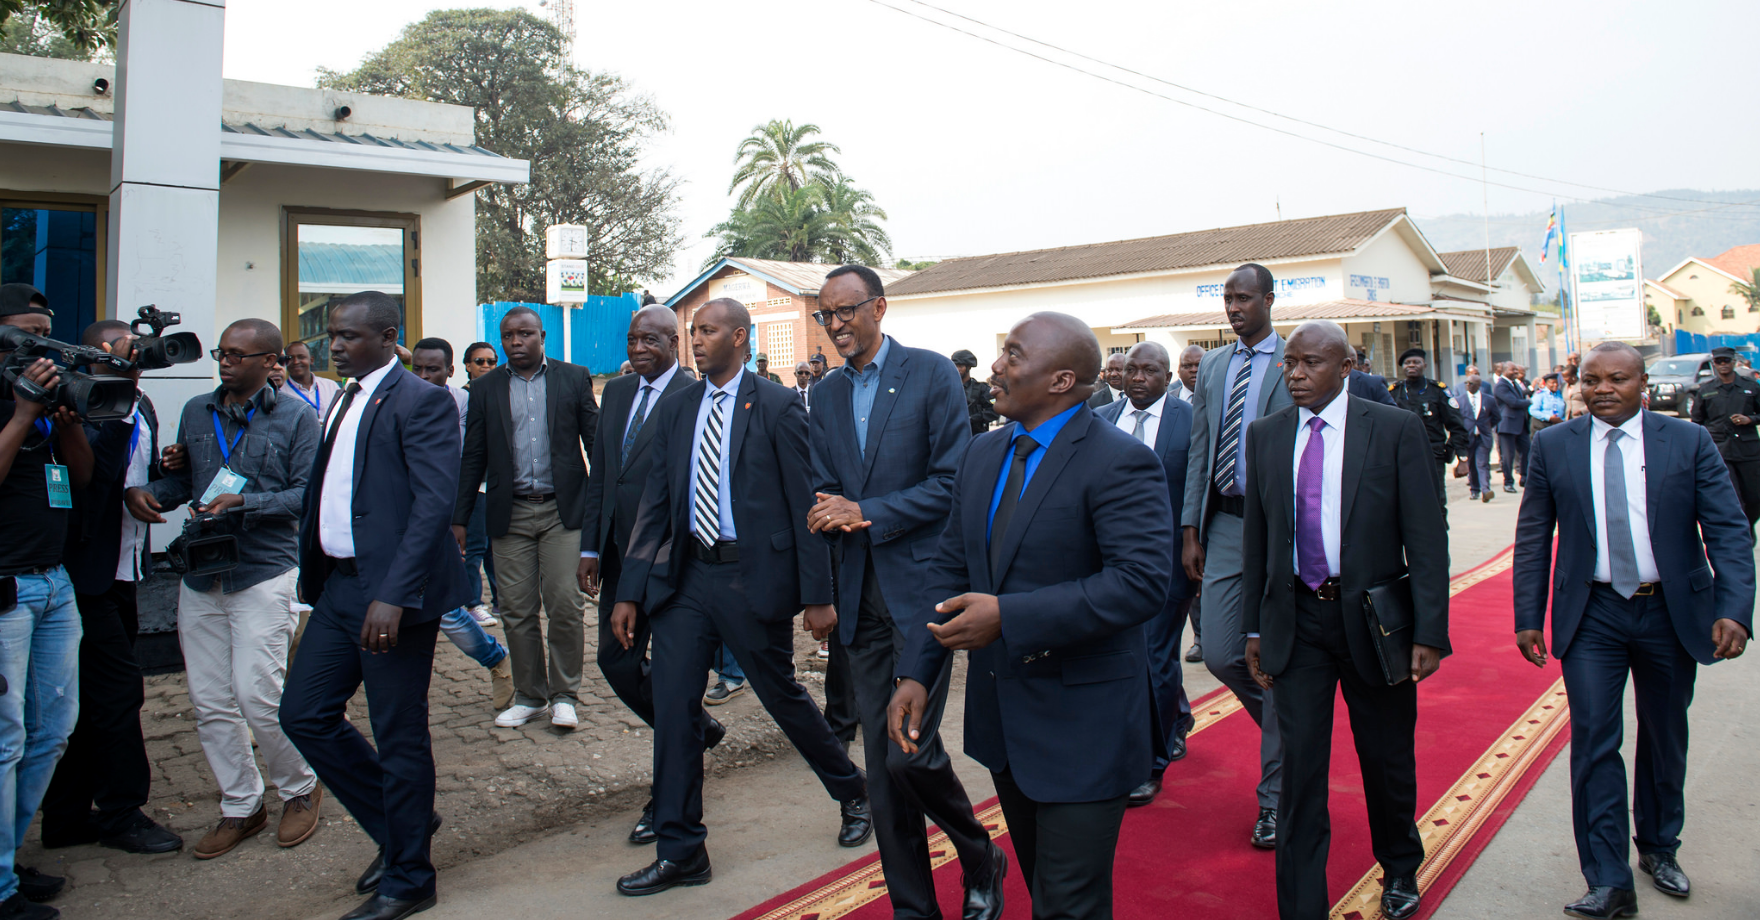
x=165, y=185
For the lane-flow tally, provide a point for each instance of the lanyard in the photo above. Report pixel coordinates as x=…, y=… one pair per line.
x=44, y=428
x=225, y=449
x=134, y=437
x=313, y=402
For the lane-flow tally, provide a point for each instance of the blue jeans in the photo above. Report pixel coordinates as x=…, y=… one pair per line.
x=726, y=667
x=39, y=657
x=477, y=560
x=471, y=639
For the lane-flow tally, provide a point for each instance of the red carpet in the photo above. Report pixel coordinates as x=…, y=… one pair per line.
x=1488, y=724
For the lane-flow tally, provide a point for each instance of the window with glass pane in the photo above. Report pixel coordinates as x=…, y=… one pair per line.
x=334, y=254
x=56, y=251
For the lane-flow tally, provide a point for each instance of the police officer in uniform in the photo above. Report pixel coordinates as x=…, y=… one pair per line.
x=978, y=402
x=1729, y=407
x=1442, y=421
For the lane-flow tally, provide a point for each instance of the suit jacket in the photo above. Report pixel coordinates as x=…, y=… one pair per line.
x=1389, y=524
x=572, y=416
x=94, y=530
x=1697, y=532
x=405, y=475
x=614, y=490
x=1102, y=397
x=1060, y=700
x=1512, y=404
x=1208, y=405
x=1372, y=387
x=1173, y=439
x=916, y=433
x=785, y=567
x=1483, y=428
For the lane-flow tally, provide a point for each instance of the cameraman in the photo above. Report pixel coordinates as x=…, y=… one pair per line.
x=103, y=780
x=39, y=622
x=244, y=453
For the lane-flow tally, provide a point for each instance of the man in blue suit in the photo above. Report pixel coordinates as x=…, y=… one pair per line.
x=1364, y=385
x=887, y=431
x=379, y=568
x=1654, y=575
x=1056, y=552
x=1482, y=415
x=1152, y=416
x=1512, y=423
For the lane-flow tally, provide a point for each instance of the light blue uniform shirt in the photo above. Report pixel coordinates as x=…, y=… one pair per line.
x=1546, y=404
x=866, y=383
x=727, y=407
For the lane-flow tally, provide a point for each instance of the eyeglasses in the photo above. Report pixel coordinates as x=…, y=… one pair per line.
x=823, y=317
x=1723, y=360
x=483, y=361
x=231, y=357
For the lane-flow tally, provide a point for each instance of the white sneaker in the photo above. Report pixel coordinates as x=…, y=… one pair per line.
x=562, y=715
x=519, y=714
x=483, y=617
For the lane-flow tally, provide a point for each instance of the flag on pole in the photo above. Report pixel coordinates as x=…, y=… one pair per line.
x=1552, y=231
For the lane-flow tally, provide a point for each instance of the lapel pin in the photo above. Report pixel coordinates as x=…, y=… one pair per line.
x=891, y=390
x=748, y=405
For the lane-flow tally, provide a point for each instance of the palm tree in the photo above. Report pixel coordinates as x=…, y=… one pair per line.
x=778, y=156
x=857, y=235
x=1748, y=291
x=789, y=226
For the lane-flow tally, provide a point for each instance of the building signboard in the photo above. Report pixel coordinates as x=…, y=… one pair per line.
x=1607, y=285
x=565, y=281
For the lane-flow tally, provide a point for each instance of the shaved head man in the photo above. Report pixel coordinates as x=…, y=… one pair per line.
x=1110, y=386
x=1188, y=370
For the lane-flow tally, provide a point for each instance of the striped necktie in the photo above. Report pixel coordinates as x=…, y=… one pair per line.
x=635, y=424
x=1229, y=443
x=706, y=499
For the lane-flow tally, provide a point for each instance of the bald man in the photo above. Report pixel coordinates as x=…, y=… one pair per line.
x=1111, y=385
x=1057, y=550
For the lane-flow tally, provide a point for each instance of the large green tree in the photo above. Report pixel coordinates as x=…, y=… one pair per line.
x=795, y=204
x=780, y=157
x=76, y=29
x=583, y=131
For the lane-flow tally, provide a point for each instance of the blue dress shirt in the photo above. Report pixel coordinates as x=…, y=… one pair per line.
x=1044, y=434
x=727, y=407
x=1547, y=404
x=865, y=384
x=1262, y=354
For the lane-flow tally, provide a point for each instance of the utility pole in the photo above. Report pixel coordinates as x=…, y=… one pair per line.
x=562, y=14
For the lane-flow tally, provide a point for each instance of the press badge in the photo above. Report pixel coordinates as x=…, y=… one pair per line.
x=226, y=482
x=60, y=489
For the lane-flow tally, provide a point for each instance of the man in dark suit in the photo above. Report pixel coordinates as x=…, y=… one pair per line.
x=1512, y=423
x=1654, y=574
x=621, y=460
x=721, y=554
x=1342, y=499
x=1364, y=385
x=528, y=426
x=1481, y=413
x=102, y=781
x=1056, y=552
x=1153, y=415
x=379, y=571
x=886, y=440
x=1111, y=388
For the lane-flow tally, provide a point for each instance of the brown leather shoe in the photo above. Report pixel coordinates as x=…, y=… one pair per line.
x=501, y=684
x=230, y=833
x=299, y=818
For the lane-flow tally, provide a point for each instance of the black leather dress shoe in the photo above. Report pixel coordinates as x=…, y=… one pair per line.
x=1603, y=902
x=1177, y=750
x=1399, y=898
x=1510, y=489
x=380, y=907
x=1194, y=654
x=662, y=874
x=1146, y=793
x=712, y=733
x=858, y=824
x=142, y=835
x=36, y=886
x=643, y=833
x=369, y=880
x=984, y=895
x=1666, y=874
x=1265, y=829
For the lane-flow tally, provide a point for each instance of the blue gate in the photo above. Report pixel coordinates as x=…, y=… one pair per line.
x=1689, y=343
x=595, y=332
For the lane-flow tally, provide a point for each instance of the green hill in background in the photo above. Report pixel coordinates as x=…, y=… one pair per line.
x=1673, y=230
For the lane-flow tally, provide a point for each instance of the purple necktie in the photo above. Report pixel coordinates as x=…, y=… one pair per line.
x=1310, y=536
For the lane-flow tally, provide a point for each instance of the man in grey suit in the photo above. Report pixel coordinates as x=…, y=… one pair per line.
x=1235, y=386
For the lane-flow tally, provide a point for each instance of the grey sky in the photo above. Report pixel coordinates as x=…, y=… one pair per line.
x=974, y=149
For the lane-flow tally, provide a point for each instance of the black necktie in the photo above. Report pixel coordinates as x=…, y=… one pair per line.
x=1011, y=496
x=341, y=413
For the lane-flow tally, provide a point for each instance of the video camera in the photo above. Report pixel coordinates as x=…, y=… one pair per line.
x=93, y=398
x=206, y=546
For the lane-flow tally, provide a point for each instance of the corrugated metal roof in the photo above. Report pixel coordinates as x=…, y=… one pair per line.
x=805, y=277
x=1331, y=309
x=367, y=140
x=1469, y=264
x=1285, y=239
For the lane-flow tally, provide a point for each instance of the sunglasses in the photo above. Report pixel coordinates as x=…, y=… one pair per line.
x=488, y=361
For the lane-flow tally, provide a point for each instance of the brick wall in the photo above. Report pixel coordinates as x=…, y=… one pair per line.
x=784, y=327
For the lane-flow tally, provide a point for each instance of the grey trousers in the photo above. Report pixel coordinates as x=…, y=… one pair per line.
x=1225, y=647
x=535, y=565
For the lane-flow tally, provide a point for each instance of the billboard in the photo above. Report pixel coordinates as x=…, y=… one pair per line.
x=565, y=281
x=1607, y=285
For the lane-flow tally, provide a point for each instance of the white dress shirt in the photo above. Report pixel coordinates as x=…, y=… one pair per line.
x=1631, y=449
x=1473, y=402
x=1185, y=393
x=134, y=533
x=658, y=385
x=336, y=501
x=1127, y=420
x=727, y=408
x=805, y=395
x=1331, y=476
x=320, y=397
